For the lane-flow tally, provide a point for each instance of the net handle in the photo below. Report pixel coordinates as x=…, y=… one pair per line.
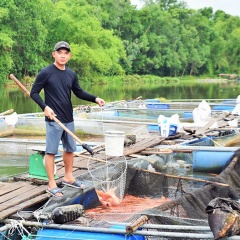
x=92, y=158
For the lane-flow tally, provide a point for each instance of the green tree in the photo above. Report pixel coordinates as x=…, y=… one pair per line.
x=6, y=41
x=96, y=51
x=225, y=45
x=110, y=37
x=27, y=21
x=233, y=50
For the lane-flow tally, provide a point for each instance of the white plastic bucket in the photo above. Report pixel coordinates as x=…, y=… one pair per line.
x=114, y=143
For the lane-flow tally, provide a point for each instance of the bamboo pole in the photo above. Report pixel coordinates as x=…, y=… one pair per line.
x=168, y=227
x=6, y=112
x=84, y=145
x=164, y=151
x=6, y=133
x=134, y=226
x=87, y=157
x=91, y=158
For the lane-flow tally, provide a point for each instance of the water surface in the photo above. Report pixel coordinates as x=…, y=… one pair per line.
x=14, y=157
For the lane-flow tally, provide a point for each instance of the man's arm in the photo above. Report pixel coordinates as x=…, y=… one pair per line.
x=37, y=87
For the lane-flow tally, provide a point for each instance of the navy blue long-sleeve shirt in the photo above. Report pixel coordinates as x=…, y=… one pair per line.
x=58, y=85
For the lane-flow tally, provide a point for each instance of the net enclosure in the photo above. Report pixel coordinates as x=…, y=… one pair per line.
x=159, y=198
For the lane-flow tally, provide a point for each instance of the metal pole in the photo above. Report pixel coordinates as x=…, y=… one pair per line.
x=207, y=235
x=119, y=231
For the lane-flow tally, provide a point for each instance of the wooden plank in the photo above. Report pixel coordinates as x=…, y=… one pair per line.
x=39, y=182
x=83, y=164
x=79, y=172
x=211, y=122
x=9, y=187
x=25, y=204
x=22, y=177
x=15, y=194
x=60, y=173
x=2, y=184
x=24, y=197
x=95, y=165
x=140, y=146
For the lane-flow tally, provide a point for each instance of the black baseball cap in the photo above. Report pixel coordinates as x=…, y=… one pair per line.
x=62, y=44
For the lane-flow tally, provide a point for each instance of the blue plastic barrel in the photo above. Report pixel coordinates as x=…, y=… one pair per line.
x=47, y=234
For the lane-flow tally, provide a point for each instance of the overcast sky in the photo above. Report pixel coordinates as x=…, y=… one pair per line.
x=228, y=6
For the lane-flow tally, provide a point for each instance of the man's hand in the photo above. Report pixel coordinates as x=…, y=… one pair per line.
x=100, y=101
x=49, y=112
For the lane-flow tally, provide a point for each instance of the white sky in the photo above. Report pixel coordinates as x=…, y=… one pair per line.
x=228, y=6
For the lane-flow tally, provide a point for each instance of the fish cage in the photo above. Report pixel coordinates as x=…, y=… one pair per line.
x=156, y=205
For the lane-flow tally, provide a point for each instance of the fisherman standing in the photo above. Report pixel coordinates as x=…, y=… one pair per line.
x=58, y=81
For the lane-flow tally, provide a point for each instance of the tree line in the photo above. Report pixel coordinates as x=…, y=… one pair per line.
x=113, y=38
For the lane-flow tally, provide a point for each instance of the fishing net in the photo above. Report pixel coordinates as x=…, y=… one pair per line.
x=105, y=183
x=109, y=179
x=171, y=200
x=164, y=198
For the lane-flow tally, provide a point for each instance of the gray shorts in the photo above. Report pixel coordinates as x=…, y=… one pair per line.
x=55, y=133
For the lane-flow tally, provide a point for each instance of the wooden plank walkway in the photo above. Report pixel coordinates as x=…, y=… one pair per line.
x=19, y=195
x=25, y=192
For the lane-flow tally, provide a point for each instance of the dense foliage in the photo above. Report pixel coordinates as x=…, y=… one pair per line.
x=110, y=37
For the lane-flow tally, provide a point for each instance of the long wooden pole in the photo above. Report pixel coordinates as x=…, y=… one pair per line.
x=184, y=178
x=84, y=156
x=135, y=225
x=84, y=145
x=6, y=112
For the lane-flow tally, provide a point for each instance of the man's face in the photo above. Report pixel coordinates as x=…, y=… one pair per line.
x=61, y=56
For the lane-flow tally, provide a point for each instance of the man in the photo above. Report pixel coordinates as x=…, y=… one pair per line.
x=58, y=81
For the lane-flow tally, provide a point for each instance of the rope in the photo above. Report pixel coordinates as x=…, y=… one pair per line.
x=102, y=120
x=39, y=215
x=18, y=226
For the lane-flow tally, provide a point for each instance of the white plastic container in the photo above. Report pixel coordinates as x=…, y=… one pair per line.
x=168, y=126
x=114, y=143
x=165, y=128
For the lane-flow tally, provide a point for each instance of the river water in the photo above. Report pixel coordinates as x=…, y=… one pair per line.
x=14, y=157
x=13, y=98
